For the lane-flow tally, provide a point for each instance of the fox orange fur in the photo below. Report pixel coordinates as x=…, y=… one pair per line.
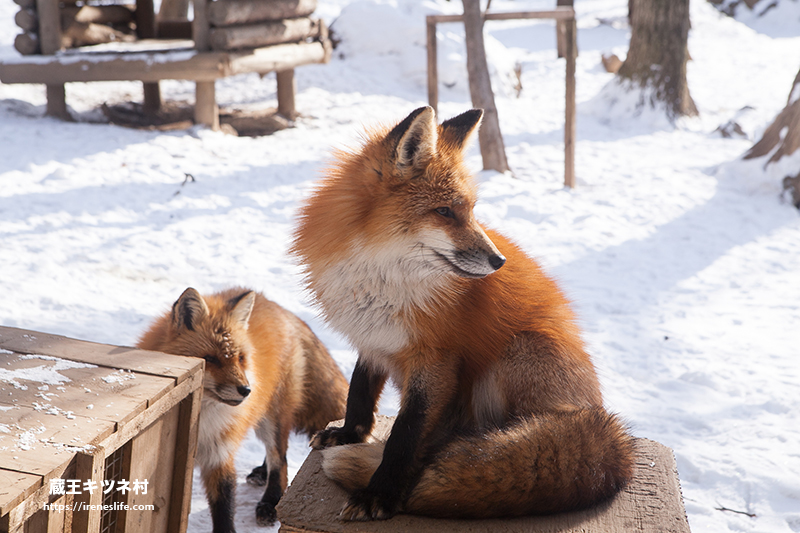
x=501, y=412
x=266, y=370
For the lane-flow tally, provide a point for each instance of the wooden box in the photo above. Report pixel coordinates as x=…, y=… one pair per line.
x=94, y=438
x=651, y=503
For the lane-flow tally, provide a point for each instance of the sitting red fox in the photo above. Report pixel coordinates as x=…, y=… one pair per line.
x=501, y=412
x=265, y=369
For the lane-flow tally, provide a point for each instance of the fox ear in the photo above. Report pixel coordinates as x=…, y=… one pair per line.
x=413, y=141
x=189, y=310
x=459, y=130
x=242, y=307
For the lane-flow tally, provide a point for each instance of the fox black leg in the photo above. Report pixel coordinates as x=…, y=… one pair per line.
x=365, y=388
x=221, y=490
x=400, y=466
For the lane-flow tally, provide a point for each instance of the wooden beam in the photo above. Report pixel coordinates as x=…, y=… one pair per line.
x=200, y=25
x=571, y=51
x=89, y=467
x=57, y=101
x=560, y=13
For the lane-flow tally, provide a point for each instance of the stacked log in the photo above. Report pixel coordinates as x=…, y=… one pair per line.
x=80, y=25
x=237, y=24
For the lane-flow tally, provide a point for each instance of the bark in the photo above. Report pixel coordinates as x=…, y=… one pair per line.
x=480, y=87
x=788, y=120
x=658, y=53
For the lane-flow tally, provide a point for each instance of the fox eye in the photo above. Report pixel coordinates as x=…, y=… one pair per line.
x=212, y=359
x=445, y=212
x=241, y=359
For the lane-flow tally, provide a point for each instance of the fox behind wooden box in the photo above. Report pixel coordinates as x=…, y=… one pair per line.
x=265, y=369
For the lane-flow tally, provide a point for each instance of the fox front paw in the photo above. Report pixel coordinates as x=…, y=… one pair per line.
x=364, y=505
x=266, y=515
x=258, y=477
x=330, y=437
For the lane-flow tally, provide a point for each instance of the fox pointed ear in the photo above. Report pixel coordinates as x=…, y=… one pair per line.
x=242, y=307
x=189, y=310
x=413, y=141
x=459, y=130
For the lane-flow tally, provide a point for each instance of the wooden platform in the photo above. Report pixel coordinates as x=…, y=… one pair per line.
x=75, y=410
x=652, y=503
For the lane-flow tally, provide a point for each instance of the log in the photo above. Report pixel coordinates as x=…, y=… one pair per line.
x=87, y=34
x=27, y=20
x=112, y=14
x=228, y=12
x=263, y=34
x=27, y=44
x=174, y=29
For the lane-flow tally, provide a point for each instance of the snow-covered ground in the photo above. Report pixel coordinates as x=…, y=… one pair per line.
x=681, y=259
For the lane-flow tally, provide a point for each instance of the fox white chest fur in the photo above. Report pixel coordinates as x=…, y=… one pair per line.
x=368, y=295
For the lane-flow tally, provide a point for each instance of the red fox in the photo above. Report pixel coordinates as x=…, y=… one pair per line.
x=265, y=369
x=500, y=412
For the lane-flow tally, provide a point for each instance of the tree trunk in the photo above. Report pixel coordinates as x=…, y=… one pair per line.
x=658, y=53
x=788, y=119
x=780, y=145
x=493, y=150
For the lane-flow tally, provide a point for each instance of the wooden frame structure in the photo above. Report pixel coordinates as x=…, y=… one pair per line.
x=152, y=59
x=121, y=414
x=565, y=20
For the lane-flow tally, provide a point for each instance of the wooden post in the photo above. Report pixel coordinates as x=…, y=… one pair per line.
x=433, y=68
x=146, y=29
x=50, y=41
x=287, y=87
x=200, y=25
x=185, y=449
x=206, y=111
x=561, y=30
x=89, y=467
x=569, y=119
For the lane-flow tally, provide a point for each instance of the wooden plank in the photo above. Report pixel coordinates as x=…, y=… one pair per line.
x=154, y=411
x=571, y=52
x=15, y=487
x=18, y=515
x=156, y=469
x=145, y=362
x=287, y=87
x=43, y=444
x=186, y=448
x=155, y=66
x=652, y=502
x=229, y=12
x=433, y=67
x=100, y=392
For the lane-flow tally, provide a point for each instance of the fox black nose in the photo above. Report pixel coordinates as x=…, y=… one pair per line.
x=497, y=261
x=244, y=390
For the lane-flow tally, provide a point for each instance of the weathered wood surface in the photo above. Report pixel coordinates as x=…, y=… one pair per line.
x=228, y=12
x=652, y=503
x=27, y=44
x=155, y=66
x=263, y=34
x=27, y=20
x=59, y=419
x=118, y=357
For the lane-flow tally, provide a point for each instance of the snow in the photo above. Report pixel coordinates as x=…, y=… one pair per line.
x=681, y=259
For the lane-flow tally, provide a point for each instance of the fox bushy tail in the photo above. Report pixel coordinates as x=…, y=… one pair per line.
x=546, y=464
